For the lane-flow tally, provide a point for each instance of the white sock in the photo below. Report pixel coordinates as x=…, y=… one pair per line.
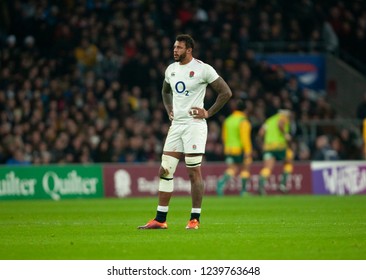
x=163, y=208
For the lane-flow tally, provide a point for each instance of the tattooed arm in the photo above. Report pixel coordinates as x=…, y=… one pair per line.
x=167, y=95
x=223, y=95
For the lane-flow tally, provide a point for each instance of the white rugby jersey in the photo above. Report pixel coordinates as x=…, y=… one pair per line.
x=188, y=83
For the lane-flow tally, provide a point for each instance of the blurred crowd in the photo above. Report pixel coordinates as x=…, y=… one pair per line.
x=80, y=81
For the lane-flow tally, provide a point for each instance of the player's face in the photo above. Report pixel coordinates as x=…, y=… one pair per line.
x=180, y=51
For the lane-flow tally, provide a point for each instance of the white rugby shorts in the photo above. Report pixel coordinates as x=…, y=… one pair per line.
x=188, y=138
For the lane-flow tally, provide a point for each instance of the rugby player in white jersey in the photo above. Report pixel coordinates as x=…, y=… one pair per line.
x=183, y=93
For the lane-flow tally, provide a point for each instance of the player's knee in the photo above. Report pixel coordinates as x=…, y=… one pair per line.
x=230, y=171
x=194, y=161
x=163, y=172
x=166, y=172
x=288, y=168
x=168, y=166
x=245, y=174
x=265, y=172
x=289, y=155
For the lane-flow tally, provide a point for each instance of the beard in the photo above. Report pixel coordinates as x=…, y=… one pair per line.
x=180, y=57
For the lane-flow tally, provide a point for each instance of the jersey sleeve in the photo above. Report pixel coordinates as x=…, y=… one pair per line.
x=167, y=71
x=210, y=74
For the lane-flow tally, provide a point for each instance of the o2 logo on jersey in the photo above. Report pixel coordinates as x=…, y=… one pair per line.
x=180, y=87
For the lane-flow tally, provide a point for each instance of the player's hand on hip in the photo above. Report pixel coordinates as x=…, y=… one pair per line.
x=198, y=113
x=171, y=116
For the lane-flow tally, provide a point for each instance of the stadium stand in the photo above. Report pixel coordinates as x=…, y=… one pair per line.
x=80, y=80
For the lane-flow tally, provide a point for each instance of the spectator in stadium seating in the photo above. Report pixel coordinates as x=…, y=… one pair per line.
x=17, y=158
x=86, y=55
x=103, y=152
x=324, y=151
x=303, y=152
x=361, y=108
x=350, y=147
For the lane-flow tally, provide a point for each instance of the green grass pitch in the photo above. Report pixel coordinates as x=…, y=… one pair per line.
x=232, y=228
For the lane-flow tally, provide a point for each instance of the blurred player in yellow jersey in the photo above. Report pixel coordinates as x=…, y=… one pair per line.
x=276, y=146
x=236, y=137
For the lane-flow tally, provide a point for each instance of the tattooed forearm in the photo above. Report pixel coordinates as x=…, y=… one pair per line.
x=167, y=95
x=223, y=95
